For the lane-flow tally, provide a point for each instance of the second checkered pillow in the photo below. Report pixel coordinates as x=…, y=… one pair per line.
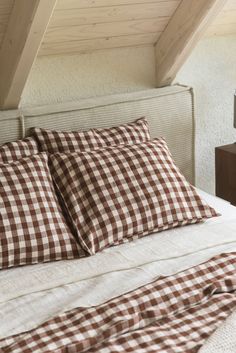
x=125, y=192
x=53, y=141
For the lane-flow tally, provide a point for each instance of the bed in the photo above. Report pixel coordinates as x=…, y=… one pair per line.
x=104, y=303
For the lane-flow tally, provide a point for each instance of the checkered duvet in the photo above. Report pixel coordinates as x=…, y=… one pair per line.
x=174, y=314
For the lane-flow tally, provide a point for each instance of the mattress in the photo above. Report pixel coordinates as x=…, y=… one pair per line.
x=33, y=294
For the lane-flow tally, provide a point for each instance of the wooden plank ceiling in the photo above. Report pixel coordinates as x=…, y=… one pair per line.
x=87, y=25
x=79, y=26
x=53, y=27
x=225, y=22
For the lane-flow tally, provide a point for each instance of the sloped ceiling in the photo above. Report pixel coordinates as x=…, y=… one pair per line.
x=86, y=25
x=29, y=28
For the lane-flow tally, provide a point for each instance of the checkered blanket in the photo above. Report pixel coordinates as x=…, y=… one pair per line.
x=174, y=314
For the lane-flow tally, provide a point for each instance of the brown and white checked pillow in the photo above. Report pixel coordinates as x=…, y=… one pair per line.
x=32, y=227
x=53, y=141
x=120, y=193
x=11, y=151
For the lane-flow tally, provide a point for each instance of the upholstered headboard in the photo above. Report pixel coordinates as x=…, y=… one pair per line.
x=169, y=111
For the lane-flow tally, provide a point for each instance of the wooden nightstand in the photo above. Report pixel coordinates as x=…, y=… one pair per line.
x=225, y=157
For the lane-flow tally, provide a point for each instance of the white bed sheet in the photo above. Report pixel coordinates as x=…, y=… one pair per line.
x=32, y=294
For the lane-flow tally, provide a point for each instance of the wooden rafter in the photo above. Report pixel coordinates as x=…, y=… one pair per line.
x=181, y=35
x=26, y=28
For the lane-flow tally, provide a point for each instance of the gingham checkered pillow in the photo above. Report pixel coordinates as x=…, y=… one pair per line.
x=32, y=227
x=125, y=192
x=11, y=151
x=53, y=141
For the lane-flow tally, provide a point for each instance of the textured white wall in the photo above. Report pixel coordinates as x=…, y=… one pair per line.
x=65, y=78
x=211, y=71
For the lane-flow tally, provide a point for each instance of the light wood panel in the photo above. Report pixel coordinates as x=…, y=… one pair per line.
x=225, y=22
x=77, y=17
x=105, y=30
x=80, y=4
x=221, y=30
x=84, y=46
x=225, y=17
x=102, y=24
x=184, y=30
x=26, y=27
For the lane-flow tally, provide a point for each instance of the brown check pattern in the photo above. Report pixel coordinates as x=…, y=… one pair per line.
x=32, y=227
x=11, y=151
x=174, y=314
x=121, y=193
x=53, y=141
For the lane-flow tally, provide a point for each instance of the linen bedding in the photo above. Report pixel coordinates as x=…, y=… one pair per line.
x=33, y=228
x=164, y=293
x=12, y=151
x=122, y=193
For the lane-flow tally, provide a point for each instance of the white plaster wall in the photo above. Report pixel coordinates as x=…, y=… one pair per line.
x=66, y=78
x=211, y=71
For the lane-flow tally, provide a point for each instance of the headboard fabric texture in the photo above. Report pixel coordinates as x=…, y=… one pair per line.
x=169, y=110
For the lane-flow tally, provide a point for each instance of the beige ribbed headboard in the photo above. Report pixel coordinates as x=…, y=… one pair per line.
x=169, y=111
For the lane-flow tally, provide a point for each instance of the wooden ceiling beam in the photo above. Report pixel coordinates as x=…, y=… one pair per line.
x=26, y=28
x=186, y=27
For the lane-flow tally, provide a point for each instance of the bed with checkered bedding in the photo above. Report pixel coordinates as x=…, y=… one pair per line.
x=136, y=297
